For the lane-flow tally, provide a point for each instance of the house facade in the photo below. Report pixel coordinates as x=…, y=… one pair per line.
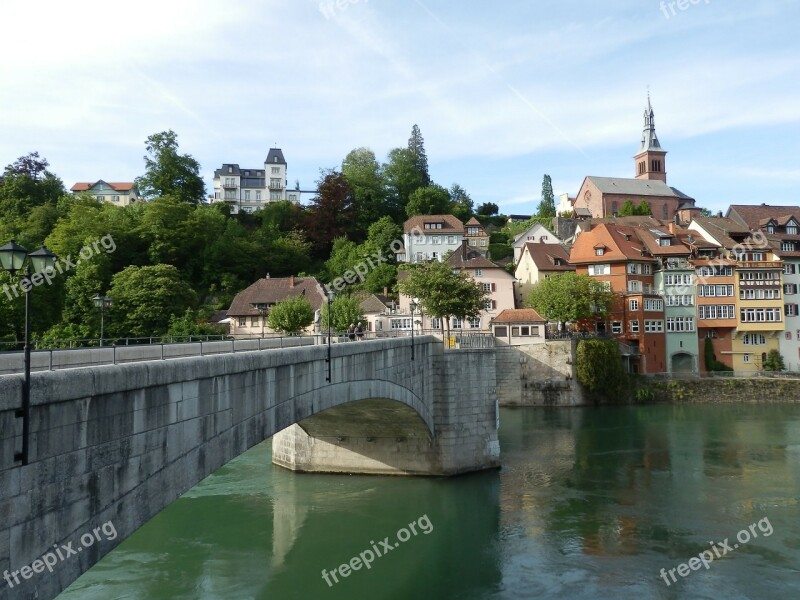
x=245, y=317
x=117, y=193
x=519, y=327
x=476, y=237
x=248, y=190
x=539, y=260
x=535, y=233
x=431, y=237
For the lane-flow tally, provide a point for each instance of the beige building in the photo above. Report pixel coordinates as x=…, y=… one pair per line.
x=245, y=319
x=539, y=260
x=518, y=327
x=118, y=193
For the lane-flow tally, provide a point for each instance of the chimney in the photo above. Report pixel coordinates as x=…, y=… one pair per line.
x=464, y=250
x=267, y=277
x=672, y=228
x=291, y=281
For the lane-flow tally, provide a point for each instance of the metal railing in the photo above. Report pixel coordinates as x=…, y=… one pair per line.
x=722, y=375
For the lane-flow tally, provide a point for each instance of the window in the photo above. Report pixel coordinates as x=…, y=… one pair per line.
x=634, y=305
x=253, y=321
x=275, y=196
x=664, y=241
x=789, y=288
x=457, y=324
x=654, y=326
x=760, y=315
x=664, y=215
x=275, y=170
x=715, y=271
x=789, y=268
x=115, y=198
x=787, y=246
x=680, y=324
x=242, y=321
x=436, y=323
x=475, y=323
x=616, y=327
x=451, y=239
x=501, y=331
x=754, y=339
x=634, y=285
x=487, y=287
x=247, y=195
x=648, y=269
x=483, y=242
x=604, y=269
x=436, y=239
x=634, y=326
x=717, y=311
x=400, y=323
x=709, y=291
x=770, y=229
x=473, y=242
x=632, y=268
x=746, y=358
x=478, y=272
x=490, y=305
x=790, y=310
x=653, y=305
x=258, y=195
x=599, y=251
x=791, y=229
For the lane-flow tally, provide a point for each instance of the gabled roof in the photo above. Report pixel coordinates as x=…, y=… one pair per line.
x=121, y=186
x=450, y=224
x=650, y=237
x=272, y=290
x=621, y=242
x=519, y=237
x=723, y=230
x=275, y=157
x=473, y=221
x=636, y=187
x=753, y=215
x=519, y=315
x=371, y=303
x=544, y=256
x=458, y=260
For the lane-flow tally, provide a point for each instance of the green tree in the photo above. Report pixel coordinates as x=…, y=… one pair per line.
x=547, y=206
x=461, y=205
x=291, y=316
x=146, y=298
x=331, y=212
x=345, y=310
x=628, y=209
x=488, y=208
x=774, y=362
x=417, y=147
x=192, y=324
x=402, y=180
x=570, y=297
x=443, y=293
x=26, y=185
x=644, y=209
x=598, y=365
x=168, y=173
x=365, y=177
x=429, y=200
x=282, y=216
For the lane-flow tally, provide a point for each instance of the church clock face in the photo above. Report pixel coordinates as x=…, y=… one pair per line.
x=587, y=196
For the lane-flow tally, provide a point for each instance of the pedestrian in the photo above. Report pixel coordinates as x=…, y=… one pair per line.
x=351, y=332
x=359, y=331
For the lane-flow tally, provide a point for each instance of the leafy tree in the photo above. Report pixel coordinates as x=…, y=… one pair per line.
x=26, y=185
x=417, y=147
x=365, y=177
x=145, y=299
x=774, y=362
x=598, y=365
x=461, y=205
x=345, y=310
x=169, y=173
x=192, y=324
x=628, y=209
x=380, y=238
x=402, y=180
x=644, y=209
x=331, y=212
x=90, y=278
x=570, y=297
x=547, y=207
x=488, y=208
x=31, y=165
x=282, y=216
x=430, y=200
x=291, y=316
x=443, y=293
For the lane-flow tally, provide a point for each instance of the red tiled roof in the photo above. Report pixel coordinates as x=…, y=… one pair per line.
x=544, y=255
x=120, y=186
x=760, y=214
x=519, y=315
x=450, y=224
x=272, y=290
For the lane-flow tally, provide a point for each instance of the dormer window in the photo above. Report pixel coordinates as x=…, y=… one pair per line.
x=599, y=251
x=770, y=228
x=275, y=159
x=791, y=228
x=664, y=242
x=230, y=169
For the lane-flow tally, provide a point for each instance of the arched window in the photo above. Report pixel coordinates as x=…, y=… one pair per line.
x=664, y=211
x=614, y=208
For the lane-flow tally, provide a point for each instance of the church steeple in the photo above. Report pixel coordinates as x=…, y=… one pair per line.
x=650, y=161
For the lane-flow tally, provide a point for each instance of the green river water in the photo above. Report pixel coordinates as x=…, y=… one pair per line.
x=591, y=503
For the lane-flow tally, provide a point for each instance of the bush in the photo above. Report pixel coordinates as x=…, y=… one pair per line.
x=599, y=368
x=645, y=394
x=500, y=251
x=774, y=362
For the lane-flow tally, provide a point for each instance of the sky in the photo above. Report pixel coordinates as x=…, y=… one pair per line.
x=503, y=92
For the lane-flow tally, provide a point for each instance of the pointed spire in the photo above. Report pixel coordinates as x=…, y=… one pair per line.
x=649, y=138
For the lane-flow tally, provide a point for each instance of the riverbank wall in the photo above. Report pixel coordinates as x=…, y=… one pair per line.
x=753, y=390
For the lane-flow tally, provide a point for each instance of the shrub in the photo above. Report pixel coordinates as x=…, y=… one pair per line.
x=712, y=364
x=774, y=362
x=599, y=367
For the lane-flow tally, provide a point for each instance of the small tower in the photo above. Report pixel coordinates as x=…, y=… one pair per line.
x=651, y=159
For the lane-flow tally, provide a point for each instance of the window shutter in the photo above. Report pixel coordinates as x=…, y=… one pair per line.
x=494, y=287
x=494, y=304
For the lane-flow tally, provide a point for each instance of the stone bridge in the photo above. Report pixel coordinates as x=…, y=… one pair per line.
x=118, y=443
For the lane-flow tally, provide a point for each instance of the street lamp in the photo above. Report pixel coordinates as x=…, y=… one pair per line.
x=262, y=308
x=413, y=306
x=13, y=259
x=102, y=303
x=330, y=319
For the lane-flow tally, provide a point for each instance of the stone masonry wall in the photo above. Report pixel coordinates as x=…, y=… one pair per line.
x=734, y=389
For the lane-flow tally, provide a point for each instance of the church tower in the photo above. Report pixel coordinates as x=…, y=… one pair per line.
x=651, y=159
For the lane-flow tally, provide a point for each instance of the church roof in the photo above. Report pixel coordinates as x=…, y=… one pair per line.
x=650, y=141
x=636, y=187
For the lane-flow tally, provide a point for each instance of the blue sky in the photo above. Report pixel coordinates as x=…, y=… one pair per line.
x=503, y=92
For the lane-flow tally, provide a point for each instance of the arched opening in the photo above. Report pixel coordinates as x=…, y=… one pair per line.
x=682, y=362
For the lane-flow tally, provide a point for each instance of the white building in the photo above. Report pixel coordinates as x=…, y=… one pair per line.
x=118, y=193
x=247, y=190
x=430, y=237
x=534, y=233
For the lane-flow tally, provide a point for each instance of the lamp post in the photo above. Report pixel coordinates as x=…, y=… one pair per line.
x=13, y=259
x=330, y=320
x=262, y=308
x=413, y=306
x=102, y=303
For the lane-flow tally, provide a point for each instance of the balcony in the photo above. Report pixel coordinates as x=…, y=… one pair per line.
x=275, y=185
x=677, y=265
x=230, y=184
x=760, y=264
